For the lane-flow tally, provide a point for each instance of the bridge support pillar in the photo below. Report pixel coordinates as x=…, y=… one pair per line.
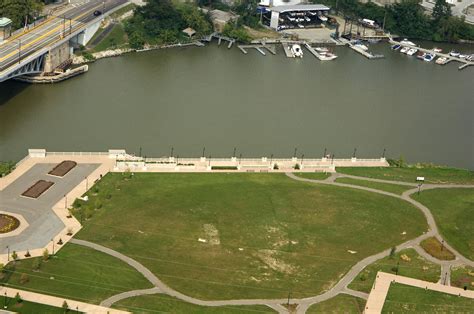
x=57, y=56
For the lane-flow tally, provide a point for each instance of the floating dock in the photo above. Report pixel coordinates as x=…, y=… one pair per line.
x=365, y=53
x=287, y=50
x=259, y=48
x=438, y=54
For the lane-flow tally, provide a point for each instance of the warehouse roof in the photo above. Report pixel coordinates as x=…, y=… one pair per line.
x=299, y=7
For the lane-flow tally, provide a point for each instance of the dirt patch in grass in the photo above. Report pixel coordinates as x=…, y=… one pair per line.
x=61, y=169
x=8, y=223
x=436, y=249
x=268, y=257
x=463, y=277
x=212, y=234
x=37, y=189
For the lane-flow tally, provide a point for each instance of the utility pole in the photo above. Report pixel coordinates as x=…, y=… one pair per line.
x=383, y=154
x=354, y=154
x=233, y=155
x=19, y=50
x=203, y=151
x=325, y=150
x=294, y=154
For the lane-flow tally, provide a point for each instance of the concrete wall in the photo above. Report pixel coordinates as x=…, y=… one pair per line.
x=87, y=35
x=57, y=56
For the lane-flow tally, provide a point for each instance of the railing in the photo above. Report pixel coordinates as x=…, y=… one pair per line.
x=77, y=153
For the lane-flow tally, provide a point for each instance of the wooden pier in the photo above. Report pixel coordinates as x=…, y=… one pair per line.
x=219, y=38
x=438, y=54
x=366, y=54
x=259, y=48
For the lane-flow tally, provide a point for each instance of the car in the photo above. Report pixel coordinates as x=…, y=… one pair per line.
x=97, y=13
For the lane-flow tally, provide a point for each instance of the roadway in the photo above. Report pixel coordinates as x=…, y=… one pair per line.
x=68, y=20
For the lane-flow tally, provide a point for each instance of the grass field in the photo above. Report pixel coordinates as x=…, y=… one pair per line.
x=77, y=273
x=26, y=307
x=160, y=303
x=342, y=303
x=436, y=175
x=387, y=187
x=453, y=210
x=265, y=234
x=410, y=265
x=436, y=249
x=463, y=276
x=313, y=175
x=407, y=299
x=116, y=38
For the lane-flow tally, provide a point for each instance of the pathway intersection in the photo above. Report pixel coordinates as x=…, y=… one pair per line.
x=98, y=166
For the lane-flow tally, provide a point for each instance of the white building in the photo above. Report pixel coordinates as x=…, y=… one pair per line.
x=297, y=16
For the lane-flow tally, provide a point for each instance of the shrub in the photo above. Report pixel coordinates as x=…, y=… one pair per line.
x=65, y=306
x=395, y=269
x=45, y=255
x=14, y=255
x=36, y=264
x=98, y=205
x=297, y=167
x=96, y=190
x=276, y=167
x=363, y=277
x=18, y=298
x=69, y=231
x=393, y=250
x=108, y=196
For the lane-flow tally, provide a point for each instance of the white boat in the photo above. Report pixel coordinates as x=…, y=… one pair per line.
x=463, y=56
x=454, y=53
x=321, y=49
x=361, y=46
x=435, y=49
x=441, y=60
x=327, y=56
x=407, y=42
x=412, y=51
x=404, y=49
x=297, y=51
x=429, y=57
x=307, y=19
x=313, y=13
x=323, y=18
x=300, y=25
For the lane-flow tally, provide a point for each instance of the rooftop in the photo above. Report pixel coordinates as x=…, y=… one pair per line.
x=4, y=21
x=299, y=7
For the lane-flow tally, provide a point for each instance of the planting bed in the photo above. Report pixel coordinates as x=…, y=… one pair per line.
x=37, y=189
x=61, y=169
x=8, y=223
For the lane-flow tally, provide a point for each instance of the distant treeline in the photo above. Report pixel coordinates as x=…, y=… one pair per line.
x=409, y=19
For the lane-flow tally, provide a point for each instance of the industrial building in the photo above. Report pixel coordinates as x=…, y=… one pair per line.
x=295, y=16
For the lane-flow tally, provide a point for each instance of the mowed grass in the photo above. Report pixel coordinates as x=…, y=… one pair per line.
x=462, y=276
x=78, y=273
x=161, y=303
x=387, y=187
x=409, y=263
x=453, y=210
x=342, y=303
x=313, y=175
x=407, y=299
x=265, y=234
x=116, y=38
x=26, y=307
x=434, y=175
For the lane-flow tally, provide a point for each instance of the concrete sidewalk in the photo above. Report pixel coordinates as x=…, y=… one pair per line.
x=382, y=283
x=58, y=302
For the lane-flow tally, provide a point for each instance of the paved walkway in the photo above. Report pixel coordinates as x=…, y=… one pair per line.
x=384, y=280
x=57, y=302
x=107, y=164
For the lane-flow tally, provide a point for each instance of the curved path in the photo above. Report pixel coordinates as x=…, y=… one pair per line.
x=340, y=287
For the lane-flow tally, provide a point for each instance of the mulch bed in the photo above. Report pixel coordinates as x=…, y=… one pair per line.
x=8, y=223
x=37, y=189
x=61, y=169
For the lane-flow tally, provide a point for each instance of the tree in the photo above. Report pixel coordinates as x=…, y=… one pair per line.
x=441, y=10
x=393, y=250
x=21, y=12
x=18, y=298
x=14, y=255
x=65, y=306
x=36, y=265
x=45, y=255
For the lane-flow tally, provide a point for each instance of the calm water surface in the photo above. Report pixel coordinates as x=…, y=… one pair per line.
x=221, y=99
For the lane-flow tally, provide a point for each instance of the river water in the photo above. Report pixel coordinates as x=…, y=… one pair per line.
x=212, y=97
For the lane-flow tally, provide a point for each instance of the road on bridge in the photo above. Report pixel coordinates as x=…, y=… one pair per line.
x=52, y=30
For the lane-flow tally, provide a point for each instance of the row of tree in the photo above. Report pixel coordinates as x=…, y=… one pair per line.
x=409, y=19
x=161, y=21
x=21, y=12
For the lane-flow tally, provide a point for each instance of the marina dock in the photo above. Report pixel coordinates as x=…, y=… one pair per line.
x=259, y=48
x=219, y=38
x=438, y=54
x=365, y=53
x=287, y=50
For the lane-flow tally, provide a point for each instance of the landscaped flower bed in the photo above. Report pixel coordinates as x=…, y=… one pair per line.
x=37, y=189
x=61, y=169
x=8, y=223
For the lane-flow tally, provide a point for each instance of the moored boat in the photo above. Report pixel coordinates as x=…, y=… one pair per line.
x=428, y=57
x=395, y=47
x=412, y=51
x=404, y=49
x=297, y=51
x=441, y=60
x=407, y=42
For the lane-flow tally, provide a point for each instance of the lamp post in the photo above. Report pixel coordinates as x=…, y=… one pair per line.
x=302, y=158
x=87, y=184
x=332, y=159
x=271, y=159
x=240, y=158
x=210, y=160
x=203, y=151
x=19, y=50
x=383, y=154
x=140, y=152
x=8, y=253
x=172, y=150
x=65, y=201
x=294, y=154
x=52, y=241
x=354, y=153
x=5, y=301
x=233, y=155
x=325, y=150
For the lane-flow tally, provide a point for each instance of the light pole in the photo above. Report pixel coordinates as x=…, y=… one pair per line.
x=87, y=184
x=383, y=154
x=354, y=153
x=8, y=253
x=332, y=159
x=325, y=150
x=271, y=159
x=65, y=201
x=209, y=161
x=19, y=51
x=172, y=150
x=203, y=151
x=233, y=155
x=240, y=159
x=5, y=301
x=140, y=152
x=302, y=158
x=52, y=241
x=294, y=154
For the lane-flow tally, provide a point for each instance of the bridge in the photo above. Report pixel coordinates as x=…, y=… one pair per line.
x=48, y=44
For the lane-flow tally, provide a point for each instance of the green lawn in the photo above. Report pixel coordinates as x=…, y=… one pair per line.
x=414, y=266
x=342, y=303
x=77, y=273
x=387, y=187
x=439, y=175
x=462, y=276
x=313, y=175
x=161, y=303
x=453, y=210
x=6, y=167
x=266, y=233
x=26, y=307
x=407, y=299
x=115, y=39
